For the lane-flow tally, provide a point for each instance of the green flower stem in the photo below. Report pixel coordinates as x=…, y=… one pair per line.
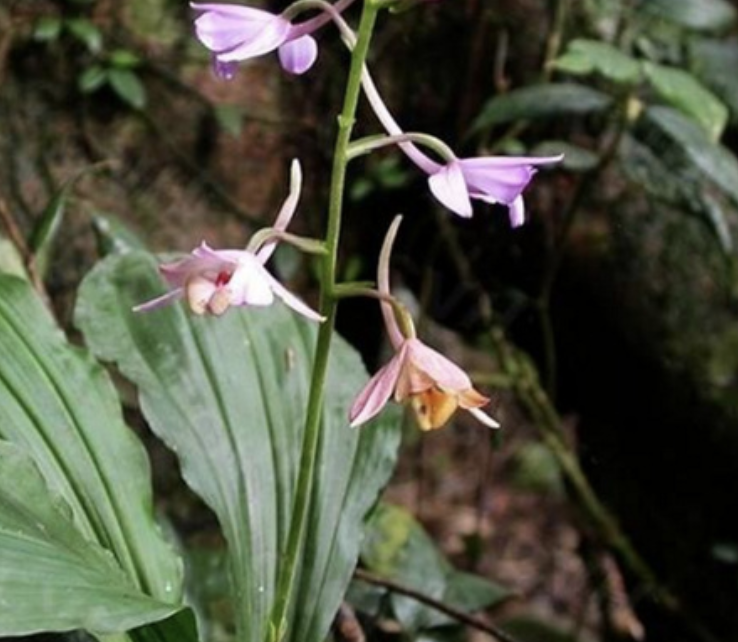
x=311, y=436
x=370, y=143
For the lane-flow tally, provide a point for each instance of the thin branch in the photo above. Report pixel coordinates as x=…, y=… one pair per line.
x=456, y=614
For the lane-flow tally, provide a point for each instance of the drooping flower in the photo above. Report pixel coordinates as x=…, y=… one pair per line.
x=492, y=179
x=234, y=33
x=211, y=281
x=433, y=385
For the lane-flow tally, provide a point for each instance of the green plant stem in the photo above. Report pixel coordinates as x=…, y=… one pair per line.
x=311, y=435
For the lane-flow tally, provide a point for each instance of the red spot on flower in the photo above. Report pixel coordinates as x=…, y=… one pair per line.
x=223, y=278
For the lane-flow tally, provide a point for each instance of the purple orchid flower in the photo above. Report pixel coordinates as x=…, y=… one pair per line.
x=433, y=385
x=492, y=179
x=235, y=33
x=213, y=280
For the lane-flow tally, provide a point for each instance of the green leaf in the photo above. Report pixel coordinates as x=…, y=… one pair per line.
x=47, y=29
x=11, y=261
x=228, y=395
x=87, y=33
x=92, y=78
x=180, y=627
x=113, y=236
x=128, y=86
x=709, y=59
x=546, y=100
x=52, y=578
x=584, y=57
x=46, y=228
x=60, y=406
x=689, y=96
x=697, y=15
x=714, y=162
x=397, y=547
x=124, y=59
x=666, y=173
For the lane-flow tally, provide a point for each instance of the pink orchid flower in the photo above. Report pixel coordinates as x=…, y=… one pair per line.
x=433, y=385
x=211, y=281
x=492, y=179
x=235, y=33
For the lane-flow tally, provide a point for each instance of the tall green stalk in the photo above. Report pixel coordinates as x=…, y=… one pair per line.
x=311, y=436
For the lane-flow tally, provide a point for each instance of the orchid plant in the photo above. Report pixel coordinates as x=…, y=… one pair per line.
x=275, y=426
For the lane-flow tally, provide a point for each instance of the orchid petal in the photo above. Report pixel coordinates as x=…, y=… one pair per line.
x=444, y=372
x=297, y=56
x=286, y=212
x=202, y=260
x=383, y=281
x=160, y=301
x=250, y=283
x=494, y=184
x=376, y=393
x=271, y=36
x=483, y=417
x=292, y=301
x=222, y=27
x=516, y=211
x=508, y=161
x=449, y=187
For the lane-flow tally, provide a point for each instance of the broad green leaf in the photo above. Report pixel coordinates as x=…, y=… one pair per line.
x=709, y=59
x=584, y=57
x=60, y=406
x=397, y=547
x=668, y=175
x=689, y=96
x=697, y=15
x=180, y=627
x=713, y=161
x=128, y=86
x=228, y=395
x=547, y=100
x=86, y=32
x=52, y=578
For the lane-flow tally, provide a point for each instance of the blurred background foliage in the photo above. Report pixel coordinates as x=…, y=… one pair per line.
x=605, y=328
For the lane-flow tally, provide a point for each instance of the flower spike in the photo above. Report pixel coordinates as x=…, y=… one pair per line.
x=211, y=280
x=433, y=385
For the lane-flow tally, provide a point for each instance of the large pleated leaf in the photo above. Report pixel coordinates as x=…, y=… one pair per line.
x=52, y=578
x=228, y=395
x=60, y=407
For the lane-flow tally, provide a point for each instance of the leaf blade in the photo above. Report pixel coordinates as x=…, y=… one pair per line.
x=229, y=396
